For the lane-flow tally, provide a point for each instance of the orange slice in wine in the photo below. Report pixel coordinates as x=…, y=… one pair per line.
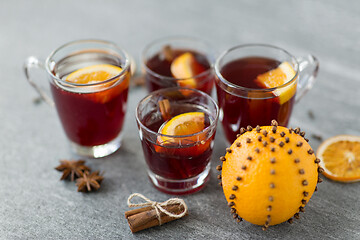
x=277, y=77
x=182, y=125
x=93, y=74
x=184, y=67
x=97, y=74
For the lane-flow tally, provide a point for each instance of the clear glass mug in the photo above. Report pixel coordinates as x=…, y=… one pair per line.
x=241, y=104
x=177, y=164
x=157, y=58
x=92, y=114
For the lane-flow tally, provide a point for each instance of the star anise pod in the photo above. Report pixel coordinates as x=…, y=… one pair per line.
x=89, y=182
x=74, y=169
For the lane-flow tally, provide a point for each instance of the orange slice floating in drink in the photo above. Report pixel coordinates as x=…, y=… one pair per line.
x=277, y=77
x=184, y=124
x=181, y=125
x=97, y=74
x=185, y=67
x=93, y=74
x=340, y=158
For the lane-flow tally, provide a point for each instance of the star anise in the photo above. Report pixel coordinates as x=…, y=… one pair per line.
x=89, y=182
x=74, y=169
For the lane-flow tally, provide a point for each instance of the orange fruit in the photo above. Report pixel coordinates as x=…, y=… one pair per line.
x=340, y=158
x=96, y=74
x=268, y=175
x=183, y=125
x=184, y=67
x=277, y=77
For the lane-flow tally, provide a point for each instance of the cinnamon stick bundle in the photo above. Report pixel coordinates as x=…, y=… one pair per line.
x=146, y=217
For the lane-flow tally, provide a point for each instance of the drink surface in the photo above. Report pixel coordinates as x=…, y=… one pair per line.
x=236, y=111
x=95, y=117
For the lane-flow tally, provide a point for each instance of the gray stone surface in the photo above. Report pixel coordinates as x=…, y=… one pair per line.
x=34, y=204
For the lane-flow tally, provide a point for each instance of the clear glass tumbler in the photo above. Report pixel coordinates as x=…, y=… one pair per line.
x=178, y=163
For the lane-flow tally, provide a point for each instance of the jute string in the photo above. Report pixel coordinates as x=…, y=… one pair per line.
x=158, y=206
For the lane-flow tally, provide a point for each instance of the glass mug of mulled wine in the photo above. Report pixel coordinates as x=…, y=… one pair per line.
x=89, y=81
x=178, y=61
x=256, y=83
x=177, y=128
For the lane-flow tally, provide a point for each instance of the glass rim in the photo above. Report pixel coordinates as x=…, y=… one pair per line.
x=238, y=87
x=174, y=38
x=208, y=128
x=125, y=69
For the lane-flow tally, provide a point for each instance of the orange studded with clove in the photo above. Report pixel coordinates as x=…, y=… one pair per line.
x=269, y=174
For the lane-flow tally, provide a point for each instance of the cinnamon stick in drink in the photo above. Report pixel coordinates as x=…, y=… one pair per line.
x=168, y=53
x=165, y=109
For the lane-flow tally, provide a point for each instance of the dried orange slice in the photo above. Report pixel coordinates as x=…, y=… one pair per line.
x=277, y=77
x=185, y=67
x=340, y=158
x=93, y=74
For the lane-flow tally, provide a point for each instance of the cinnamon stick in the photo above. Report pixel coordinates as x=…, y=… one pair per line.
x=168, y=53
x=146, y=217
x=164, y=107
x=136, y=211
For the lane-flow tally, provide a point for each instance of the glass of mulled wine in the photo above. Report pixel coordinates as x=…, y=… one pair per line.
x=256, y=83
x=177, y=128
x=89, y=82
x=178, y=61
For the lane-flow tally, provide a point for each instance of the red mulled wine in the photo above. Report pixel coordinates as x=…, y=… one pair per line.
x=91, y=115
x=177, y=127
x=91, y=119
x=174, y=160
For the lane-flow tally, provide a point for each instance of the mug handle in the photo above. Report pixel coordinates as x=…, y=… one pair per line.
x=308, y=68
x=33, y=62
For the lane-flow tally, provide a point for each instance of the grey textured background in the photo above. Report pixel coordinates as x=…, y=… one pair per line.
x=34, y=204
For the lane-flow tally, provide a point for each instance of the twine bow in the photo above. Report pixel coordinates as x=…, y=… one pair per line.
x=158, y=206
